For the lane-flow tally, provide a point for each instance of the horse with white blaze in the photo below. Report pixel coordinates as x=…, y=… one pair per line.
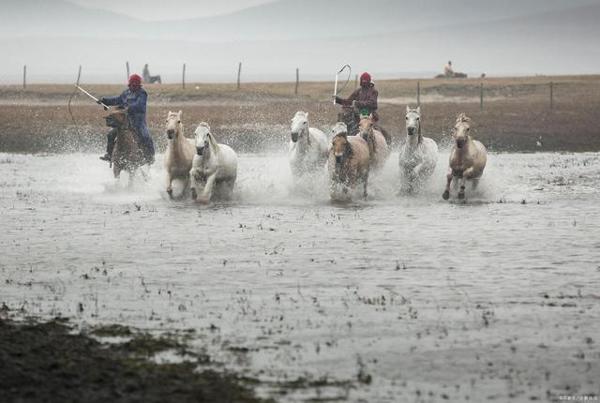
x=467, y=159
x=418, y=155
x=214, y=168
x=309, y=146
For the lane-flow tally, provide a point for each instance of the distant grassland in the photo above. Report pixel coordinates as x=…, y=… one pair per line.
x=516, y=112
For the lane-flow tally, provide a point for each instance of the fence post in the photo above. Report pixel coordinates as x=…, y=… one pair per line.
x=418, y=93
x=183, y=77
x=297, y=80
x=481, y=96
x=25, y=76
x=239, y=75
x=78, y=75
x=551, y=95
x=127, y=66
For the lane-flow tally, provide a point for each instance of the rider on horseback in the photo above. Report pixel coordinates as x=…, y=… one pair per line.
x=134, y=101
x=363, y=101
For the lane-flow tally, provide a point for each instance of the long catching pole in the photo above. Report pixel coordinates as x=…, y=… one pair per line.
x=92, y=97
x=337, y=77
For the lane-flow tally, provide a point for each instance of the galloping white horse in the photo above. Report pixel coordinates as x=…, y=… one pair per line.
x=214, y=168
x=179, y=154
x=467, y=159
x=418, y=155
x=308, y=146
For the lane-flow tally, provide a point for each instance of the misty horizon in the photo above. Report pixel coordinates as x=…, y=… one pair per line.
x=272, y=38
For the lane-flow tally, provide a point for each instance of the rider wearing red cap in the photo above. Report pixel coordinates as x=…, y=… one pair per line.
x=364, y=101
x=364, y=98
x=134, y=99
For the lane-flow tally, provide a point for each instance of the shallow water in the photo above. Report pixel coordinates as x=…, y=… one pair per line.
x=388, y=299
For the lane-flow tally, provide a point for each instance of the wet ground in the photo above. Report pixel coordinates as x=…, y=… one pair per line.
x=391, y=299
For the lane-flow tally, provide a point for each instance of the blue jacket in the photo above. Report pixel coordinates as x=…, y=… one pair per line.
x=135, y=102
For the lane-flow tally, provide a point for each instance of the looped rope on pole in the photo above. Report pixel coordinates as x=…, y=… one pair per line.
x=346, y=66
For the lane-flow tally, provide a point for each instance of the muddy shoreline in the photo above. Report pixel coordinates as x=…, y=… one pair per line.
x=47, y=361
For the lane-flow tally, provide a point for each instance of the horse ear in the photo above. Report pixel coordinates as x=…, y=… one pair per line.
x=419, y=110
x=180, y=114
x=407, y=108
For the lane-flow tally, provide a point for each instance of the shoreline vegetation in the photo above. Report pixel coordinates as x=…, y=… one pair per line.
x=518, y=114
x=48, y=361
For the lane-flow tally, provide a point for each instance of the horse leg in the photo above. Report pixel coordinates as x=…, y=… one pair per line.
x=169, y=185
x=461, y=193
x=449, y=177
x=208, y=189
x=365, y=185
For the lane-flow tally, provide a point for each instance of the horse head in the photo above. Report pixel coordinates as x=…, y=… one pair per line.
x=202, y=138
x=365, y=126
x=299, y=127
x=173, y=124
x=117, y=119
x=461, y=130
x=340, y=145
x=413, y=121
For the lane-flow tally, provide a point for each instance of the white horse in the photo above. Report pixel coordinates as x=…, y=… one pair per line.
x=214, y=168
x=467, y=159
x=418, y=155
x=308, y=146
x=179, y=154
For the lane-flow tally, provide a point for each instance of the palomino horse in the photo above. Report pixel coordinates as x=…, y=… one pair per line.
x=127, y=154
x=378, y=148
x=418, y=155
x=467, y=159
x=308, y=146
x=180, y=152
x=348, y=162
x=214, y=168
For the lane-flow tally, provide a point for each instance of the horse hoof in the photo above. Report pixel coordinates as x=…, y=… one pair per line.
x=446, y=195
x=194, y=194
x=461, y=195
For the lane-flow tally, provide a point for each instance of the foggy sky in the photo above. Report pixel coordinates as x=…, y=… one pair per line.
x=155, y=10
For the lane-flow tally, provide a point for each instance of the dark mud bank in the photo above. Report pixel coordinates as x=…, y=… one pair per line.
x=46, y=362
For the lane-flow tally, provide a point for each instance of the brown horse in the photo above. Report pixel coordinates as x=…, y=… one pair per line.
x=127, y=154
x=348, y=162
x=378, y=148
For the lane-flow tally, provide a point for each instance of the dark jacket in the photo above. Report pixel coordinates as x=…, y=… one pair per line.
x=135, y=102
x=366, y=98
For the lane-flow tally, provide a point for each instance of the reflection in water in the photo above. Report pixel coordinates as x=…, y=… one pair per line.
x=418, y=293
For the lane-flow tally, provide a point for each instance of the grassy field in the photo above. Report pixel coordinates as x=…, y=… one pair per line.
x=516, y=112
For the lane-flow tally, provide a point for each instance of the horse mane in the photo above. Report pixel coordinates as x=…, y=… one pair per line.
x=212, y=142
x=462, y=117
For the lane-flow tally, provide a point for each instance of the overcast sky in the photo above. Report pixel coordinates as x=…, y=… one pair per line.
x=170, y=10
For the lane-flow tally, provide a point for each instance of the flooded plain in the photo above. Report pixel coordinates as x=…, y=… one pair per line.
x=394, y=298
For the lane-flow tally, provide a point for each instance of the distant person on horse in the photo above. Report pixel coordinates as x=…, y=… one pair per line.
x=363, y=101
x=448, y=70
x=149, y=78
x=134, y=100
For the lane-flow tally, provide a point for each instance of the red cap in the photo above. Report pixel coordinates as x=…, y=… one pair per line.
x=134, y=79
x=365, y=77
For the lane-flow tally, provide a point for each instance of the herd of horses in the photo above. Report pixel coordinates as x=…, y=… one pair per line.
x=208, y=169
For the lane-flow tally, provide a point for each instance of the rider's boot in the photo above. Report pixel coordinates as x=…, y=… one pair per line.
x=110, y=145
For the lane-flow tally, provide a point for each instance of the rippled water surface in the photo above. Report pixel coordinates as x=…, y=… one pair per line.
x=390, y=299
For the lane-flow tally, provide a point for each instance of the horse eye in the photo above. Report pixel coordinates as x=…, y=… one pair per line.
x=468, y=128
x=407, y=118
x=418, y=118
x=179, y=121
